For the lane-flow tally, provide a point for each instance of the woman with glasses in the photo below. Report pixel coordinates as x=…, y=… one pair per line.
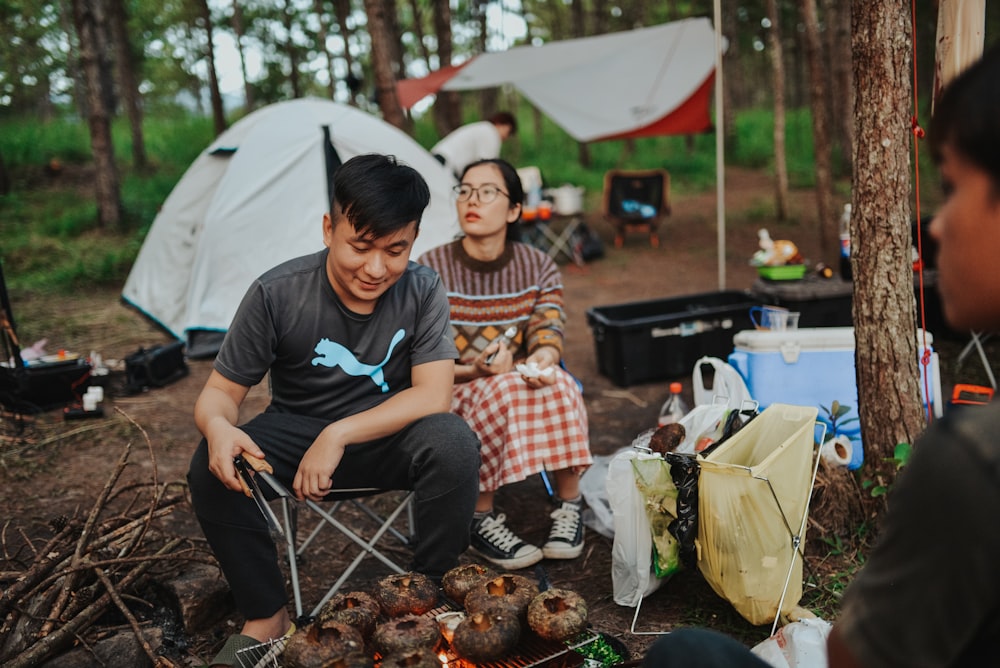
x=507, y=318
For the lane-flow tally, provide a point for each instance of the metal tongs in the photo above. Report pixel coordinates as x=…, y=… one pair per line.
x=507, y=336
x=247, y=468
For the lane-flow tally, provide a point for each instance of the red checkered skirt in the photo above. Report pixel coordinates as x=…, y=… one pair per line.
x=524, y=430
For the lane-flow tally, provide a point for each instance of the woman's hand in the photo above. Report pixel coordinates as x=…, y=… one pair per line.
x=543, y=358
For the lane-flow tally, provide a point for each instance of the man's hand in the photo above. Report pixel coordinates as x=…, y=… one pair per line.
x=313, y=478
x=225, y=444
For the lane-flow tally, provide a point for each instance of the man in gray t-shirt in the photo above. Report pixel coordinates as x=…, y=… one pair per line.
x=357, y=343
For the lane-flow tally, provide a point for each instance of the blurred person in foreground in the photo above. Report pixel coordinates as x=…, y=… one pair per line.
x=356, y=343
x=475, y=141
x=929, y=592
x=528, y=412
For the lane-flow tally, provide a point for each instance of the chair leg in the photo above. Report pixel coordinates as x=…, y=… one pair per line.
x=654, y=239
x=619, y=239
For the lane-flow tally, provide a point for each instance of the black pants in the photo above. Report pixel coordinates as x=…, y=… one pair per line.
x=437, y=457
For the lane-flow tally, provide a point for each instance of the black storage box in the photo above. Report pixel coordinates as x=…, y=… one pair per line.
x=42, y=386
x=155, y=367
x=827, y=302
x=820, y=302
x=662, y=339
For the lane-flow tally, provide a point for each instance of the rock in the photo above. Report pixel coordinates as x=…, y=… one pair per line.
x=201, y=597
x=121, y=648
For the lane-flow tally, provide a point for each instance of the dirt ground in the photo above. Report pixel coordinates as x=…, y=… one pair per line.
x=52, y=466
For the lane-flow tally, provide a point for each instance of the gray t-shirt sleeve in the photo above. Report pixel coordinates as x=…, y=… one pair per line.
x=929, y=593
x=432, y=340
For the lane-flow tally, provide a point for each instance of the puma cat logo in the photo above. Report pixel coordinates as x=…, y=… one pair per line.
x=332, y=354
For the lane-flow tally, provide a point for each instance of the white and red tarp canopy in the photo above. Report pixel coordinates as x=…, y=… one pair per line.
x=637, y=83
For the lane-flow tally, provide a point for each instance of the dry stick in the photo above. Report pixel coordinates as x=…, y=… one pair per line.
x=38, y=571
x=158, y=492
x=54, y=641
x=133, y=622
x=88, y=527
x=100, y=542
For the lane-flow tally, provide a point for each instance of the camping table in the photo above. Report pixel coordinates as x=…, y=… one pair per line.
x=555, y=235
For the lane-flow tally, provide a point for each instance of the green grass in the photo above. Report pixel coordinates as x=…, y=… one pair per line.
x=51, y=239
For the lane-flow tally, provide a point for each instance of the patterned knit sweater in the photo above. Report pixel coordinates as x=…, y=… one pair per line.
x=522, y=287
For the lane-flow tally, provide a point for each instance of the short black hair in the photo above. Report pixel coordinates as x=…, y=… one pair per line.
x=504, y=118
x=967, y=116
x=378, y=194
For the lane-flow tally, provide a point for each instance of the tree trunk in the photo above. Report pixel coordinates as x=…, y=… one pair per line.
x=342, y=8
x=127, y=80
x=73, y=60
x=382, y=62
x=248, y=101
x=447, y=106
x=291, y=50
x=730, y=63
x=838, y=21
x=829, y=232
x=4, y=178
x=418, y=33
x=889, y=402
x=778, y=82
x=321, y=45
x=487, y=96
x=99, y=119
x=218, y=113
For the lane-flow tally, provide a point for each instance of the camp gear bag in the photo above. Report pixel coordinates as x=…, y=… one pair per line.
x=155, y=367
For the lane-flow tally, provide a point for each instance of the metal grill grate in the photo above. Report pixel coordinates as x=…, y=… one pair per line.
x=532, y=652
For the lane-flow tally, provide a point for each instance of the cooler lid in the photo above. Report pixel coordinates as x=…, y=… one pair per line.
x=804, y=339
x=807, y=338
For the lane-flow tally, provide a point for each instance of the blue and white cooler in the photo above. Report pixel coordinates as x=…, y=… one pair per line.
x=814, y=367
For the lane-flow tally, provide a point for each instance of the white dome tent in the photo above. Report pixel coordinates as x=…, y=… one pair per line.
x=254, y=198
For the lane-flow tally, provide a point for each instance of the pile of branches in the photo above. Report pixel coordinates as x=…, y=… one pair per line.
x=56, y=587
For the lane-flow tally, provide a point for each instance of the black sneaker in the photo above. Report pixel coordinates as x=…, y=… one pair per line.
x=566, y=535
x=496, y=543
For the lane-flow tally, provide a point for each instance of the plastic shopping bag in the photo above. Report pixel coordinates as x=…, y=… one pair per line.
x=801, y=644
x=632, y=549
x=727, y=383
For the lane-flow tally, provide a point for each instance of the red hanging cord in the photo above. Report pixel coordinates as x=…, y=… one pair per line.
x=918, y=134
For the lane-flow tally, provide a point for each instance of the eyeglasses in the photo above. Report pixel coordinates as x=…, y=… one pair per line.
x=486, y=193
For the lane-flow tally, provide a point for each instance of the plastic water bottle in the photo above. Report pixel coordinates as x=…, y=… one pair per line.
x=674, y=408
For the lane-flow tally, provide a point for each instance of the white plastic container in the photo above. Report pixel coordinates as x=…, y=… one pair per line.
x=812, y=367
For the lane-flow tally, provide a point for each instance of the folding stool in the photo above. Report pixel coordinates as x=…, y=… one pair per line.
x=285, y=529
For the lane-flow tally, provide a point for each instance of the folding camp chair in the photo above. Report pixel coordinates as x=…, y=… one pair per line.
x=976, y=343
x=285, y=528
x=636, y=199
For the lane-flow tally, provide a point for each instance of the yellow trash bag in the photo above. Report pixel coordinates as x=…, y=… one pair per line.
x=753, y=498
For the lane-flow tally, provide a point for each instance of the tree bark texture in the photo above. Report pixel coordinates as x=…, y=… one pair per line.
x=447, y=106
x=218, y=113
x=240, y=34
x=99, y=118
x=889, y=400
x=778, y=81
x=829, y=231
x=127, y=80
x=382, y=64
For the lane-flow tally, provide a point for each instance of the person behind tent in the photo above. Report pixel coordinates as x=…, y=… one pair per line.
x=929, y=592
x=355, y=339
x=475, y=141
x=528, y=412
